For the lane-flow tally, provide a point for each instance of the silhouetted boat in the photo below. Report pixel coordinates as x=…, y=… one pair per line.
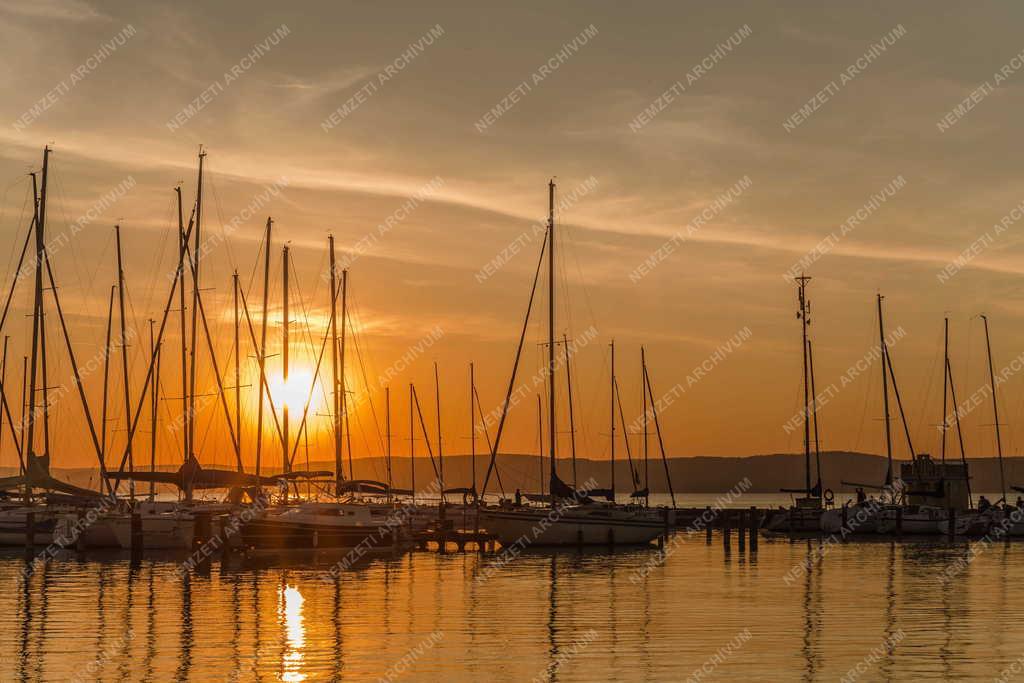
x=573, y=518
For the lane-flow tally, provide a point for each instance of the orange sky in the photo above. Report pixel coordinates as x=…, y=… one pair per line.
x=714, y=163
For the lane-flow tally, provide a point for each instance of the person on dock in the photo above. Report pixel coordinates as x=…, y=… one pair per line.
x=861, y=496
x=1020, y=503
x=519, y=498
x=983, y=504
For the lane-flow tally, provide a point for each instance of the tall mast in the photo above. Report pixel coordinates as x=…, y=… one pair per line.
x=472, y=430
x=804, y=315
x=412, y=445
x=661, y=444
x=190, y=414
x=153, y=398
x=341, y=367
x=45, y=375
x=262, y=351
x=285, y=322
x=37, y=309
x=540, y=442
x=387, y=430
x=945, y=385
x=552, y=422
x=338, y=476
x=959, y=431
x=437, y=404
x=124, y=359
x=184, y=330
x=613, y=421
x=238, y=372
x=885, y=394
x=643, y=390
x=572, y=422
x=814, y=412
x=24, y=406
x=995, y=409
x=3, y=387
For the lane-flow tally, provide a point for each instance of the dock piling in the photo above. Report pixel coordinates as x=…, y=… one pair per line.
x=741, y=528
x=709, y=522
x=755, y=525
x=726, y=530
x=952, y=523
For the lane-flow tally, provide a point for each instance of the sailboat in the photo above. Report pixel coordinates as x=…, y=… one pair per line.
x=981, y=522
x=931, y=488
x=806, y=514
x=51, y=513
x=573, y=517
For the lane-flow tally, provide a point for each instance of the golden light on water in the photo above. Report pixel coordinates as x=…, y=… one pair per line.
x=290, y=613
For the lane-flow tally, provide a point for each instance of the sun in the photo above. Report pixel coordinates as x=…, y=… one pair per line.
x=294, y=392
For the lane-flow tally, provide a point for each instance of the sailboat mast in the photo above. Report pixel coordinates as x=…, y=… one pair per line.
x=334, y=368
x=814, y=412
x=24, y=407
x=959, y=431
x=184, y=330
x=572, y=421
x=613, y=420
x=412, y=444
x=885, y=394
x=3, y=388
x=995, y=409
x=40, y=212
x=238, y=371
x=552, y=422
x=440, y=456
x=342, y=385
x=387, y=430
x=284, y=361
x=540, y=442
x=643, y=390
x=472, y=430
x=124, y=358
x=262, y=351
x=803, y=314
x=154, y=396
x=190, y=414
x=945, y=385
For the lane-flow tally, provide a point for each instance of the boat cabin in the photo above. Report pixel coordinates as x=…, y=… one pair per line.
x=928, y=482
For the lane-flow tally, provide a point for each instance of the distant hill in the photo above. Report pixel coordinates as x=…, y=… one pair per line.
x=700, y=474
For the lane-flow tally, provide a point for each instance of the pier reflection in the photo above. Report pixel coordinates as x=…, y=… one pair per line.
x=927, y=611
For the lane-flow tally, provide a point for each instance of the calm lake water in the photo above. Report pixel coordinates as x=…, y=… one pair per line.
x=797, y=610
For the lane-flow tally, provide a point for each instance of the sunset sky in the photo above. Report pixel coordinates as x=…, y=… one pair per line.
x=767, y=129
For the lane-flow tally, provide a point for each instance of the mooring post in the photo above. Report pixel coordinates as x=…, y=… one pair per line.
x=726, y=531
x=741, y=528
x=952, y=523
x=755, y=525
x=709, y=522
x=611, y=538
x=30, y=529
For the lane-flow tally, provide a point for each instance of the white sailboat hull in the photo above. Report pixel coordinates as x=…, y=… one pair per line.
x=924, y=520
x=159, y=532
x=546, y=527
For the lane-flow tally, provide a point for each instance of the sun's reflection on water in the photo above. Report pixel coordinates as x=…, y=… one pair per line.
x=290, y=603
